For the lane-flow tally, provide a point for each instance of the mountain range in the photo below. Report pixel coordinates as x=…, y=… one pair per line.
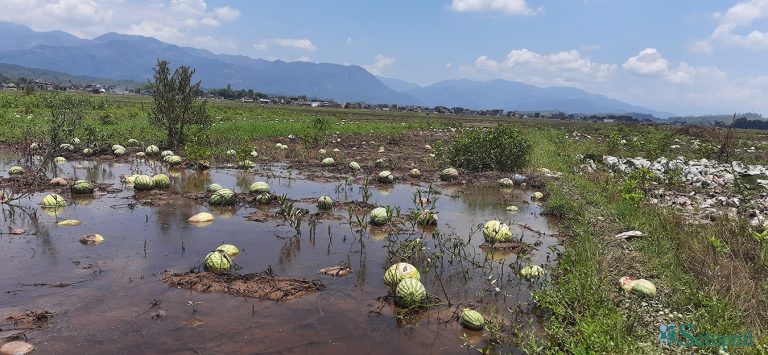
x=128, y=57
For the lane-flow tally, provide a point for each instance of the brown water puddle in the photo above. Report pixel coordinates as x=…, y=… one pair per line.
x=110, y=297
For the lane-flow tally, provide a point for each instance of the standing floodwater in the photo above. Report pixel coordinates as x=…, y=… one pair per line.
x=110, y=297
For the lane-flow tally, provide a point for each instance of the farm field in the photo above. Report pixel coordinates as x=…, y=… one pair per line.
x=695, y=199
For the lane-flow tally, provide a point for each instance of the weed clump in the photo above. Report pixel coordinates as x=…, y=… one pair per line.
x=501, y=148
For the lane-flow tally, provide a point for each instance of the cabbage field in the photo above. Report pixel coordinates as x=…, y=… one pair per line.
x=288, y=229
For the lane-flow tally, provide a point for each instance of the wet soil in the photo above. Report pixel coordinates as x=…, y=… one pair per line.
x=256, y=285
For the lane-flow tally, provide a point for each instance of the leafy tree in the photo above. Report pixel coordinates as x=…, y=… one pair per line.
x=176, y=108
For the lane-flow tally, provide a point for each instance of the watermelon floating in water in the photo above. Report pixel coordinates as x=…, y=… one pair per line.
x=231, y=250
x=385, y=177
x=410, y=293
x=161, y=181
x=82, y=187
x=214, y=187
x=324, y=203
x=399, y=272
x=495, y=231
x=218, y=261
x=53, y=200
x=472, y=319
x=143, y=183
x=531, y=272
x=259, y=187
x=379, y=216
x=223, y=197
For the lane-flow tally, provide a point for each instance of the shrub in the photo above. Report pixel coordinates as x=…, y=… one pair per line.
x=501, y=148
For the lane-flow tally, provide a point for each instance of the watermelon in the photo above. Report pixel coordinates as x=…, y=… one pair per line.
x=254, y=154
x=201, y=217
x=152, y=150
x=214, y=187
x=641, y=286
x=380, y=163
x=410, y=293
x=328, y=161
x=322, y=151
x=246, y=164
x=92, y=239
x=449, y=174
x=119, y=152
x=385, y=177
x=141, y=155
x=117, y=146
x=223, y=197
x=354, y=166
x=53, y=200
x=16, y=170
x=399, y=272
x=231, y=250
x=87, y=151
x=537, y=195
x=472, y=319
x=59, y=160
x=161, y=181
x=174, y=160
x=379, y=216
x=67, y=146
x=414, y=173
x=531, y=272
x=75, y=140
x=133, y=143
x=34, y=146
x=82, y=187
x=263, y=198
x=143, y=183
x=218, y=261
x=166, y=153
x=427, y=218
x=231, y=153
x=324, y=203
x=283, y=147
x=259, y=187
x=495, y=231
x=506, y=182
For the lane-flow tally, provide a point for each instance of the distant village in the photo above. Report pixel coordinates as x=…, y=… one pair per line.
x=255, y=98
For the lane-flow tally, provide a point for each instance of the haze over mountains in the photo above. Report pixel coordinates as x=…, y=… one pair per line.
x=126, y=57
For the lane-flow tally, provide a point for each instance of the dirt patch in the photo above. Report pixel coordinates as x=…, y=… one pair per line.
x=262, y=216
x=256, y=285
x=16, y=326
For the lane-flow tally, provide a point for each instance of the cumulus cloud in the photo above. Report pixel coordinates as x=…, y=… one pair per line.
x=735, y=27
x=174, y=21
x=507, y=7
x=381, y=63
x=648, y=63
x=292, y=43
x=561, y=68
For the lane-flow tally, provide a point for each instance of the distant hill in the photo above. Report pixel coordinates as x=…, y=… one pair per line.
x=125, y=57
x=708, y=120
x=13, y=72
x=397, y=84
x=515, y=96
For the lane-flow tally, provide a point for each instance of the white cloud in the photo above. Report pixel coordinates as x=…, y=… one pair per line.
x=300, y=44
x=175, y=21
x=648, y=63
x=382, y=62
x=226, y=13
x=734, y=27
x=508, y=7
x=561, y=68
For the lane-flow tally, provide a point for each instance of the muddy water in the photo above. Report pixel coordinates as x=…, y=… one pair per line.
x=105, y=306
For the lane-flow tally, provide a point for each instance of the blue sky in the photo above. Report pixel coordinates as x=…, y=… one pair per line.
x=681, y=56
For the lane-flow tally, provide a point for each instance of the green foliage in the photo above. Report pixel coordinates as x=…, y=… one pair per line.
x=502, y=148
x=176, y=109
x=316, y=130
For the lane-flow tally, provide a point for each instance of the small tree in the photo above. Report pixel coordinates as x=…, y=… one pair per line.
x=176, y=108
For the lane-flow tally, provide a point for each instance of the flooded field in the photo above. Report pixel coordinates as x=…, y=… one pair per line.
x=110, y=297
